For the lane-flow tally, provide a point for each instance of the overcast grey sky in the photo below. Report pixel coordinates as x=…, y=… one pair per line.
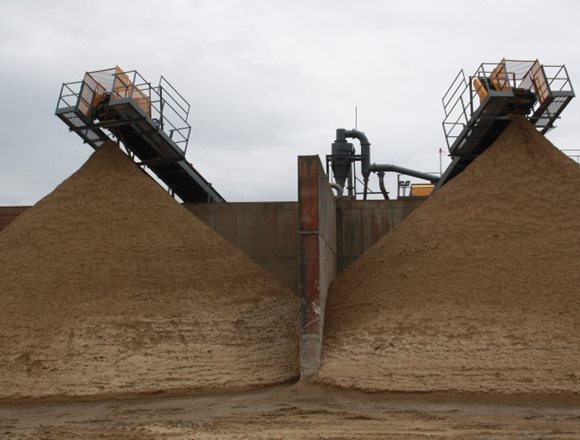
x=267, y=80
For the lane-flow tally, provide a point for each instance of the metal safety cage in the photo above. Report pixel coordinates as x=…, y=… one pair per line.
x=547, y=90
x=479, y=107
x=459, y=101
x=561, y=92
x=67, y=109
x=162, y=103
x=150, y=121
x=173, y=110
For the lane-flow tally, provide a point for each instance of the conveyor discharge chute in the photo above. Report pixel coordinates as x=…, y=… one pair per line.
x=150, y=121
x=480, y=106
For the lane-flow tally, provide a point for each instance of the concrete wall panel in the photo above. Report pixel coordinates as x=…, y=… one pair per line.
x=267, y=232
x=361, y=223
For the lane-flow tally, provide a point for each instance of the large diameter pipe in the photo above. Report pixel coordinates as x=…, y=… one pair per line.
x=381, y=175
x=342, y=135
x=375, y=168
x=336, y=187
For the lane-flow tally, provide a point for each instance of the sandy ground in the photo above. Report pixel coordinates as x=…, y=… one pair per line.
x=477, y=290
x=109, y=287
x=298, y=412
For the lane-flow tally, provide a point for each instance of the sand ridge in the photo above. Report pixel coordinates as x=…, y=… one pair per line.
x=477, y=291
x=296, y=412
x=109, y=286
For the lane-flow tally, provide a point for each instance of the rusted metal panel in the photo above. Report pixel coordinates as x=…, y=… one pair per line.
x=308, y=193
x=308, y=222
x=317, y=237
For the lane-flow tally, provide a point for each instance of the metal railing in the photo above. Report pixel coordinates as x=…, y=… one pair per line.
x=459, y=101
x=162, y=103
x=168, y=111
x=457, y=107
x=558, y=78
x=69, y=95
x=557, y=81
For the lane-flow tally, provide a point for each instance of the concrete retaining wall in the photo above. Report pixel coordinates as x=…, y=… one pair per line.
x=267, y=232
x=361, y=223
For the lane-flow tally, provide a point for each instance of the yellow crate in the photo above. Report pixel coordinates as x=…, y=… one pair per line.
x=421, y=189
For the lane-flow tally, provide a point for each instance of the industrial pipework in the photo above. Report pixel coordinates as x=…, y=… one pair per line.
x=343, y=157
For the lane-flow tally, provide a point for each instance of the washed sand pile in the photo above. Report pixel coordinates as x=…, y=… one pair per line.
x=478, y=290
x=108, y=286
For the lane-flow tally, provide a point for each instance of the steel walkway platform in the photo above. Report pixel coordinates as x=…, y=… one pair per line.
x=148, y=120
x=504, y=90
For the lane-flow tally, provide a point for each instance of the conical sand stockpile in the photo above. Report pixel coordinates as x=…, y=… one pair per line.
x=108, y=286
x=477, y=291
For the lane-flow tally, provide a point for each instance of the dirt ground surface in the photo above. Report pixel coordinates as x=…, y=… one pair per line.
x=298, y=412
x=478, y=290
x=109, y=287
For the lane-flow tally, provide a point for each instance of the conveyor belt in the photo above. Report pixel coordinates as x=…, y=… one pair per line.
x=152, y=146
x=486, y=124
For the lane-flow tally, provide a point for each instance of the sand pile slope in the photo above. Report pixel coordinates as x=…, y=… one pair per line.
x=107, y=285
x=478, y=290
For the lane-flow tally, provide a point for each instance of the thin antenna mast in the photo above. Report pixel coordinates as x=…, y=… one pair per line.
x=356, y=117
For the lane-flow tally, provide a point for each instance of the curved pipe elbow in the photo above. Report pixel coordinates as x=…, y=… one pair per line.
x=336, y=187
x=342, y=135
